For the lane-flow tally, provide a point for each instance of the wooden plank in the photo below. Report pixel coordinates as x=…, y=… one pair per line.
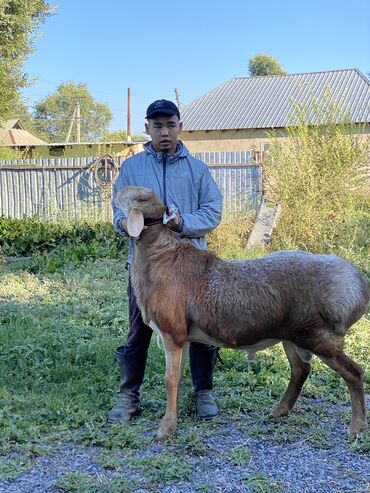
x=264, y=225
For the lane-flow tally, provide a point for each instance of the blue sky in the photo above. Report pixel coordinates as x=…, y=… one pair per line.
x=154, y=47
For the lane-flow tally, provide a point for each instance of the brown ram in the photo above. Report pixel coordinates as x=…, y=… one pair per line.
x=307, y=302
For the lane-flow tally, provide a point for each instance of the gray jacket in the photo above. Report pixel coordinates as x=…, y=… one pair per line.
x=178, y=179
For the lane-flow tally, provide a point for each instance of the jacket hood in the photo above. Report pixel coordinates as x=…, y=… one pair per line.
x=181, y=151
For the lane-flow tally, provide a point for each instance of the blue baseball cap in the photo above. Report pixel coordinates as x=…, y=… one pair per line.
x=162, y=106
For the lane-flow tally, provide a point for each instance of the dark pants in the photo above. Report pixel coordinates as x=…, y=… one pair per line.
x=133, y=355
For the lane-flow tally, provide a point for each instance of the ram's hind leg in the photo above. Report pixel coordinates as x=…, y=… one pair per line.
x=353, y=375
x=299, y=372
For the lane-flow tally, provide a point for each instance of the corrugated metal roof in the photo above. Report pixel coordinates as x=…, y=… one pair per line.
x=269, y=101
x=19, y=138
x=12, y=133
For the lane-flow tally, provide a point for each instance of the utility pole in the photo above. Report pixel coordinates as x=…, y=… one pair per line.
x=129, y=116
x=178, y=99
x=76, y=118
x=71, y=125
x=78, y=121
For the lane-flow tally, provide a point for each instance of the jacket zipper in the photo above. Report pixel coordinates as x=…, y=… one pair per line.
x=164, y=179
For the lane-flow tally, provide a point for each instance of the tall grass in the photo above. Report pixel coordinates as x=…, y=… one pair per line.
x=320, y=176
x=229, y=239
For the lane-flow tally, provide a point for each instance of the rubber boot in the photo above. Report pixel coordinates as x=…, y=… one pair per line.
x=202, y=362
x=132, y=368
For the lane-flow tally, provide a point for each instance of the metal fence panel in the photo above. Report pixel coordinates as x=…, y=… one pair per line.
x=59, y=188
x=240, y=187
x=225, y=158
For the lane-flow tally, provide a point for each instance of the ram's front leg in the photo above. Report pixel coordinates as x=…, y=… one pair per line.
x=175, y=355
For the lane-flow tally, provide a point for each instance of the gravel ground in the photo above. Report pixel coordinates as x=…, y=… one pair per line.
x=288, y=467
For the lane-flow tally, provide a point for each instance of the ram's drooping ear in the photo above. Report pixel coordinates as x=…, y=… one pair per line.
x=135, y=222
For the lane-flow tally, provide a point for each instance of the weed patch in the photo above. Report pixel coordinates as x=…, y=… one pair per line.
x=163, y=468
x=259, y=483
x=361, y=443
x=80, y=482
x=240, y=456
x=11, y=468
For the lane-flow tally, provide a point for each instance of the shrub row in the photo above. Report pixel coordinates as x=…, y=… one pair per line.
x=53, y=244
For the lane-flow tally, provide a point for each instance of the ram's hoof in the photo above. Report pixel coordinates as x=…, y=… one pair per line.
x=356, y=427
x=279, y=411
x=166, y=428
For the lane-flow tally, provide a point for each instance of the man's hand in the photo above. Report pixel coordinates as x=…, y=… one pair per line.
x=175, y=223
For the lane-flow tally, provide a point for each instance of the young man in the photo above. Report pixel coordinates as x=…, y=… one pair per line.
x=167, y=168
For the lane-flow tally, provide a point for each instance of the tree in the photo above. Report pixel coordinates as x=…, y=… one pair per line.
x=54, y=113
x=19, y=22
x=121, y=136
x=264, y=65
x=23, y=114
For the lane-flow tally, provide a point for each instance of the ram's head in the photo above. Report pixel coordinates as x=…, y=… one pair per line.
x=138, y=203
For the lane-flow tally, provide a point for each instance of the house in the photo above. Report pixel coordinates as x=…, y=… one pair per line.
x=239, y=114
x=13, y=134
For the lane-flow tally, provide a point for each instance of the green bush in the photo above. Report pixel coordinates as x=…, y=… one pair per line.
x=229, y=239
x=26, y=236
x=54, y=244
x=320, y=176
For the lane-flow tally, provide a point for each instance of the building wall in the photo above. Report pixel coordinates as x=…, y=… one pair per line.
x=78, y=150
x=237, y=140
x=228, y=140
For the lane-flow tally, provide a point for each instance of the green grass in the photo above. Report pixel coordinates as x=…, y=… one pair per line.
x=260, y=483
x=165, y=467
x=11, y=468
x=240, y=455
x=80, y=482
x=58, y=332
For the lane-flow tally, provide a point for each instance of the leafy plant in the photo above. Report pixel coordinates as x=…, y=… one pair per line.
x=361, y=443
x=53, y=114
x=318, y=174
x=320, y=439
x=190, y=440
x=115, y=437
x=264, y=65
x=109, y=460
x=229, y=239
x=54, y=245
